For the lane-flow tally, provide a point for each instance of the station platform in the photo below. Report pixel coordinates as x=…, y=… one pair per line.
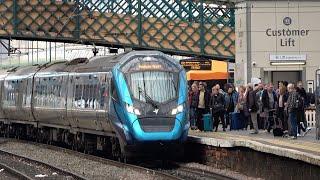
x=305, y=148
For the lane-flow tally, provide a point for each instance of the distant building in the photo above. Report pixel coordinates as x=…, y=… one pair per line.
x=277, y=41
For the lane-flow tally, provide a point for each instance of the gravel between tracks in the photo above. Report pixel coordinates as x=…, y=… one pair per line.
x=78, y=165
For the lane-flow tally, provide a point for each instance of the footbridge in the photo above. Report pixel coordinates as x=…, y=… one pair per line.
x=182, y=27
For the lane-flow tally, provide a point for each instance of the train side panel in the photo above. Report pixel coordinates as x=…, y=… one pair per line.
x=49, y=99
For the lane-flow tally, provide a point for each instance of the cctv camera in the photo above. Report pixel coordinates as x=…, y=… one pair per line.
x=254, y=63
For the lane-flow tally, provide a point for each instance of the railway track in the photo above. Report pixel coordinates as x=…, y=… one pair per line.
x=142, y=170
x=172, y=170
x=7, y=172
x=196, y=174
x=183, y=171
x=28, y=168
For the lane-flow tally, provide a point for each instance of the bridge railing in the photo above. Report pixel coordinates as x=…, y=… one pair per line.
x=184, y=27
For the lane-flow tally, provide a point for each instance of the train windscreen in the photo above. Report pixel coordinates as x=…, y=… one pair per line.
x=158, y=86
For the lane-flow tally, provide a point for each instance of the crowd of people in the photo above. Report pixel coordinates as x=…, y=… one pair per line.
x=254, y=106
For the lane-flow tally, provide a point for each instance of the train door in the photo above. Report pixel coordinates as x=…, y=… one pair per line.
x=1, y=95
x=25, y=105
x=102, y=98
x=317, y=94
x=70, y=92
x=82, y=111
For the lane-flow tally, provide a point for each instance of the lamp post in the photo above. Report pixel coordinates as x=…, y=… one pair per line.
x=317, y=96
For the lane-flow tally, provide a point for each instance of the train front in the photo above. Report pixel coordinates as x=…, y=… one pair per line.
x=153, y=91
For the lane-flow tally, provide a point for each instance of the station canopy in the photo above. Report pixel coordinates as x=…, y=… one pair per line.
x=219, y=70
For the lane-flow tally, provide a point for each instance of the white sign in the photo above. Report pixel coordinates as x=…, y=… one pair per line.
x=300, y=57
x=255, y=80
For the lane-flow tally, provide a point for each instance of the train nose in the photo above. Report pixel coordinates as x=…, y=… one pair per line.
x=157, y=124
x=152, y=129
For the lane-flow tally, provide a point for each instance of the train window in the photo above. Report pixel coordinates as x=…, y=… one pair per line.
x=86, y=95
x=104, y=92
x=114, y=91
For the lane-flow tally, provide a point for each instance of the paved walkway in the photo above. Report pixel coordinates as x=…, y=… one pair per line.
x=305, y=148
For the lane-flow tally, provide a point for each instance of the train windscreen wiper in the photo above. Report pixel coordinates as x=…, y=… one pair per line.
x=148, y=98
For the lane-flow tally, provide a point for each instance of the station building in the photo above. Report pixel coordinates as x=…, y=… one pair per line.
x=277, y=41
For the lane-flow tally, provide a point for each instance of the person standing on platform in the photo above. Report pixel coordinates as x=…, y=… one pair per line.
x=194, y=102
x=261, y=114
x=231, y=98
x=217, y=104
x=301, y=114
x=269, y=101
x=282, y=99
x=203, y=105
x=253, y=108
x=292, y=109
x=240, y=107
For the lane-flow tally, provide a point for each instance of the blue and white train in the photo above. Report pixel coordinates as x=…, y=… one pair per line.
x=128, y=104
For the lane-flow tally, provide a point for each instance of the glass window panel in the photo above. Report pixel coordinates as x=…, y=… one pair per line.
x=159, y=86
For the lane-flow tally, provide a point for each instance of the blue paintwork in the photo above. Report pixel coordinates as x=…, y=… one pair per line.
x=131, y=128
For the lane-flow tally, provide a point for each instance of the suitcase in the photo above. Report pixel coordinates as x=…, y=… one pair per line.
x=278, y=129
x=277, y=132
x=235, y=123
x=207, y=122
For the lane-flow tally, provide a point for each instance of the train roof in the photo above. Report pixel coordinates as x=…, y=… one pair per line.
x=80, y=65
x=22, y=72
x=99, y=64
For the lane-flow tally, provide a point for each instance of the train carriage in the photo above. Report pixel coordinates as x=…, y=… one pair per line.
x=120, y=103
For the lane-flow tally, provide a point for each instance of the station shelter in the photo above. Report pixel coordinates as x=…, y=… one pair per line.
x=211, y=71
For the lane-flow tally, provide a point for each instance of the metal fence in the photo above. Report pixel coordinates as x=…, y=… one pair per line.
x=186, y=27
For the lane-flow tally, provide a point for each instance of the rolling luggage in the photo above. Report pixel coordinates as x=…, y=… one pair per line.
x=207, y=122
x=235, y=123
x=278, y=129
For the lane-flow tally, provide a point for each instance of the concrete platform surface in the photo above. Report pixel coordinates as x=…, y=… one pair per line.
x=305, y=148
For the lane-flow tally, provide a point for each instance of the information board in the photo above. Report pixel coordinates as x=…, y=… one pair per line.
x=196, y=65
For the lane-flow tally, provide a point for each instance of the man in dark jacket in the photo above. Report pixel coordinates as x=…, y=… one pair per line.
x=231, y=99
x=217, y=104
x=203, y=104
x=269, y=104
x=301, y=115
x=253, y=107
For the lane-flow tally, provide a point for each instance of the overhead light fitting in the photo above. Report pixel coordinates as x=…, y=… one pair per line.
x=288, y=63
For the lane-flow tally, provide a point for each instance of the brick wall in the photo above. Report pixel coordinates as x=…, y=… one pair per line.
x=252, y=163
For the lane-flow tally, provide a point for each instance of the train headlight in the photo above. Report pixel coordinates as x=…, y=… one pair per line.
x=132, y=110
x=177, y=110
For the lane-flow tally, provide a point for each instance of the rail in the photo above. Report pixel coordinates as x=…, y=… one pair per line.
x=99, y=159
x=33, y=161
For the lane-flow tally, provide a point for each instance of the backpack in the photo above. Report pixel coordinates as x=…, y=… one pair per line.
x=299, y=103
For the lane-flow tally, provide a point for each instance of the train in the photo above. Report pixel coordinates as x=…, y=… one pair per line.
x=125, y=105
